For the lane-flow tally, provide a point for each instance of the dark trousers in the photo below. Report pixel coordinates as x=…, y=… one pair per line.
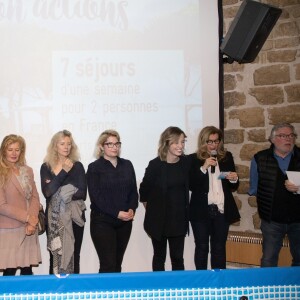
x=273, y=235
x=213, y=230
x=12, y=271
x=176, y=247
x=78, y=235
x=110, y=237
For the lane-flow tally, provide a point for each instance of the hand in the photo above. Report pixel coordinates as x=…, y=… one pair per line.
x=232, y=176
x=67, y=165
x=30, y=230
x=291, y=187
x=126, y=215
x=210, y=161
x=32, y=220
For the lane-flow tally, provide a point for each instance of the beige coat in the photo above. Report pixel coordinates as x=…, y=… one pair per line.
x=13, y=204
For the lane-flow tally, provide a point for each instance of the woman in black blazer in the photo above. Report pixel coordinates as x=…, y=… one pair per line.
x=164, y=192
x=212, y=206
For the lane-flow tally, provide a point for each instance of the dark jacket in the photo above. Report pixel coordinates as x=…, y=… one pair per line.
x=199, y=186
x=274, y=201
x=153, y=190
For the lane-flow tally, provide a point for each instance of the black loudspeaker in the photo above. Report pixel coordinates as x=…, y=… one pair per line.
x=249, y=30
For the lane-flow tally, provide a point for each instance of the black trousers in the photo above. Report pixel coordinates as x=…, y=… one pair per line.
x=176, y=248
x=78, y=235
x=110, y=237
x=210, y=233
x=12, y=271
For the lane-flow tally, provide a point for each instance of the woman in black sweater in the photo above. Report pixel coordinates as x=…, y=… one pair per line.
x=62, y=168
x=113, y=193
x=164, y=192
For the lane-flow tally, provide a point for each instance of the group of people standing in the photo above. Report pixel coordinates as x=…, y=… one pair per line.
x=176, y=190
x=164, y=191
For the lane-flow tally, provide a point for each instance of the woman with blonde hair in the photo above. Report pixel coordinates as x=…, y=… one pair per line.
x=114, y=199
x=19, y=208
x=64, y=187
x=164, y=191
x=212, y=206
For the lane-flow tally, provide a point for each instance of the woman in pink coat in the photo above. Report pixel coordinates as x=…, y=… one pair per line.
x=19, y=207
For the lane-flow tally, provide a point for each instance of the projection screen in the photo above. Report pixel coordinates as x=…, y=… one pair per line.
x=137, y=66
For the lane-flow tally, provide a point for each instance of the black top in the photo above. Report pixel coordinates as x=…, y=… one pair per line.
x=165, y=188
x=175, y=201
x=112, y=189
x=51, y=183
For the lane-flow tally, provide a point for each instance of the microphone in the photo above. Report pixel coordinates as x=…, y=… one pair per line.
x=213, y=153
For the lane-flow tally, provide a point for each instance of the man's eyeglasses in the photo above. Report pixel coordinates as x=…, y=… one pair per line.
x=111, y=145
x=210, y=142
x=286, y=136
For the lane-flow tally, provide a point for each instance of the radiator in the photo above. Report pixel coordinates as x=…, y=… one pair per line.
x=246, y=248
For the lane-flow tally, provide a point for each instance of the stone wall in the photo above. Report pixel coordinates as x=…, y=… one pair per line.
x=259, y=95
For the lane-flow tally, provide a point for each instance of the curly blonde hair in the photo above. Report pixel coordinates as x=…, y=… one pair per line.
x=102, y=139
x=202, y=143
x=52, y=158
x=169, y=136
x=5, y=167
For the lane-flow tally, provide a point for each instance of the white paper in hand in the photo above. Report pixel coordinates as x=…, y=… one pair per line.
x=294, y=177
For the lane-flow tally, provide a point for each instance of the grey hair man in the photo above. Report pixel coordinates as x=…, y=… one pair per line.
x=278, y=199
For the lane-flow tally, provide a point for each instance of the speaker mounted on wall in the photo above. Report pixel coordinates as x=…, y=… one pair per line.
x=249, y=30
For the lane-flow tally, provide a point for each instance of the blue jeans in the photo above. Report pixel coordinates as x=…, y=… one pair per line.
x=213, y=229
x=273, y=235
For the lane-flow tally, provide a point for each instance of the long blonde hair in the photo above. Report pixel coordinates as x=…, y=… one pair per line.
x=5, y=167
x=202, y=143
x=52, y=158
x=169, y=136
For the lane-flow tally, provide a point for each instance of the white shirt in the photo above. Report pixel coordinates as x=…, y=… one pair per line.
x=215, y=192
